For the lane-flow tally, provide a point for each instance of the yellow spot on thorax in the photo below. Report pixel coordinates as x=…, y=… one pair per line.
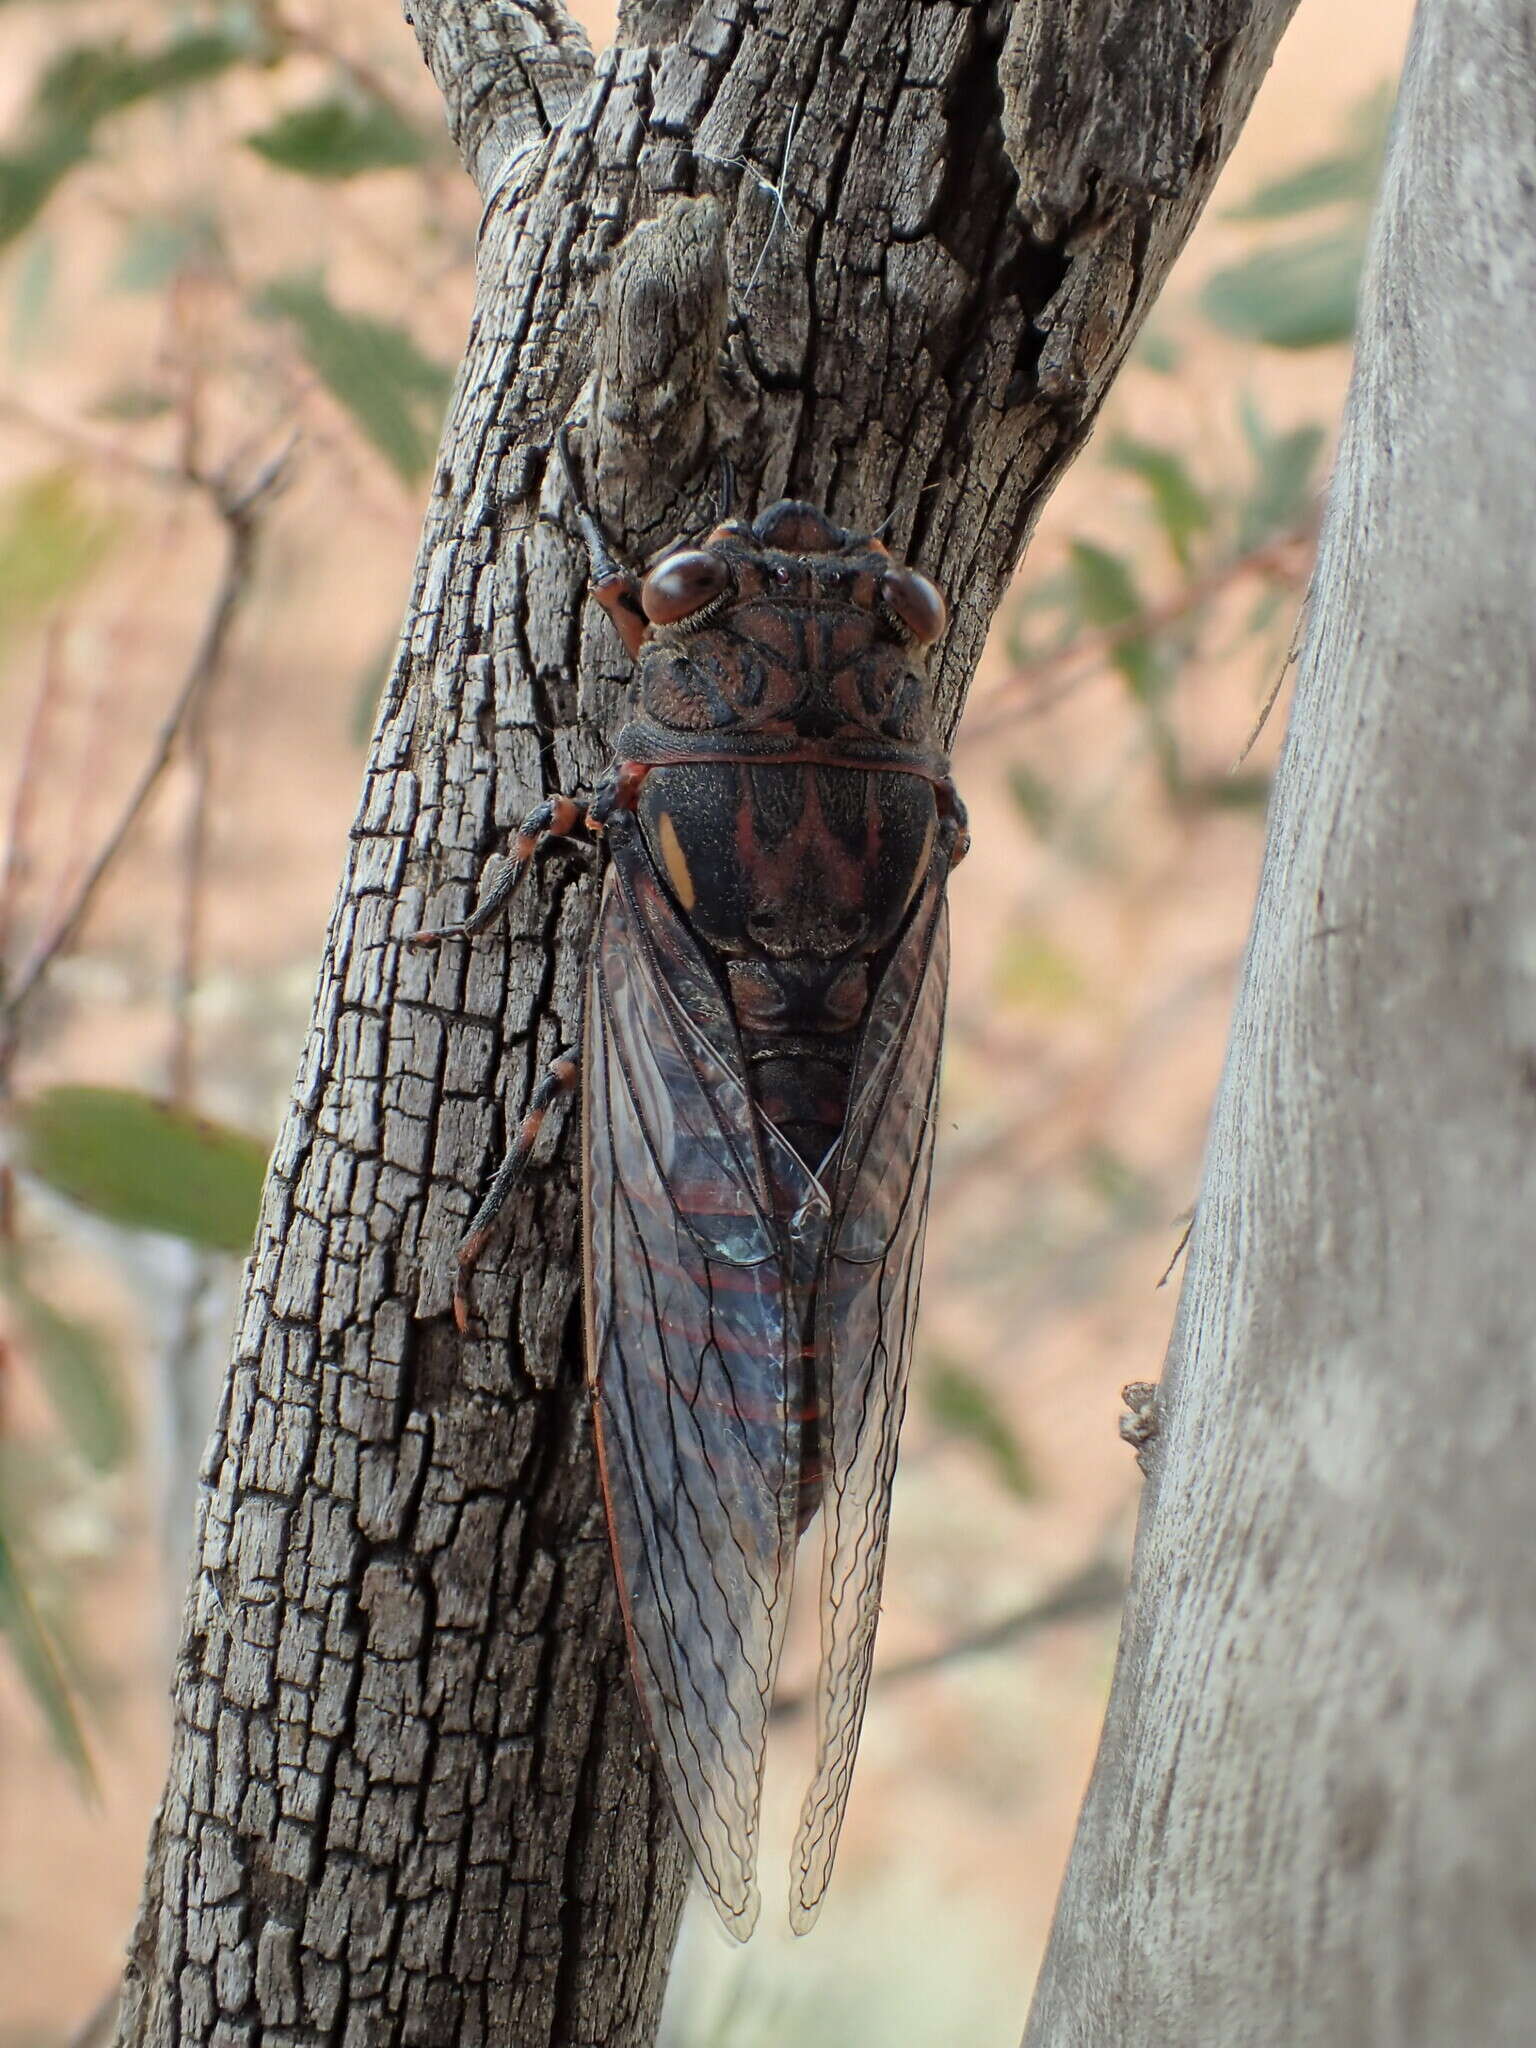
x=676, y=865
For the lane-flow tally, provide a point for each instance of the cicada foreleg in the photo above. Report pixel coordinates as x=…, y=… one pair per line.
x=557, y=817
x=560, y=1078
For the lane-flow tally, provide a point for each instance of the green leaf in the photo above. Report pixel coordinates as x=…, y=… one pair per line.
x=81, y=88
x=51, y=538
x=86, y=84
x=38, y=1661
x=1037, y=801
x=1181, y=506
x=1245, y=792
x=74, y=1367
x=340, y=138
x=1155, y=349
x=130, y=403
x=1032, y=972
x=141, y=1163
x=160, y=247
x=1108, y=596
x=1127, y=1193
x=1324, y=182
x=30, y=302
x=394, y=392
x=28, y=176
x=964, y=1407
x=1296, y=297
x=1285, y=467
x=1346, y=176
x=1106, y=589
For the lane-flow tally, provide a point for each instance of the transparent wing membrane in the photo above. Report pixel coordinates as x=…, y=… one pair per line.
x=697, y=1300
x=695, y=1375
x=866, y=1312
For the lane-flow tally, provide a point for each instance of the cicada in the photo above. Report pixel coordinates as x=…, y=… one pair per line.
x=758, y=1068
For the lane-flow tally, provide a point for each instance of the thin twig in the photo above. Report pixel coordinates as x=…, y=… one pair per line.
x=194, y=866
x=15, y=862
x=91, y=446
x=239, y=514
x=1053, y=677
x=1096, y=1587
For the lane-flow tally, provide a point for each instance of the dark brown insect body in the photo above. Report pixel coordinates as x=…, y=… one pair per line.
x=759, y=1063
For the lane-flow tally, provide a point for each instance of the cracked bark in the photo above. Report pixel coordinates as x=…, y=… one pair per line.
x=1310, y=1822
x=408, y=1798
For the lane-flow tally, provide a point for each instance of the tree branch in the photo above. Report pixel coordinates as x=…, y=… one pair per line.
x=239, y=512
x=1095, y=1587
x=508, y=71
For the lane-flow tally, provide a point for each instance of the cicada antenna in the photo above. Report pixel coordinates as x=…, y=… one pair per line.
x=604, y=563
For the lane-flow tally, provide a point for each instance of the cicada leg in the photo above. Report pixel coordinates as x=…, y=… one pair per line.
x=556, y=818
x=560, y=1078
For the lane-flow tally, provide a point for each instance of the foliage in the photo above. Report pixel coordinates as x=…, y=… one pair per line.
x=340, y=138
x=372, y=367
x=146, y=1164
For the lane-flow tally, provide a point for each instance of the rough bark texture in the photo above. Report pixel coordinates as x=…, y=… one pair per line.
x=1312, y=1814
x=409, y=1800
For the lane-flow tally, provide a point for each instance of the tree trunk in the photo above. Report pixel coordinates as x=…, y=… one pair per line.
x=888, y=258
x=1312, y=1813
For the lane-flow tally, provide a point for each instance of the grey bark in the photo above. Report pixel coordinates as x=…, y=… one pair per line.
x=1312, y=1813
x=408, y=1798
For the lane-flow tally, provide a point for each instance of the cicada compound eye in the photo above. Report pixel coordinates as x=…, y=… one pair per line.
x=917, y=604
x=682, y=585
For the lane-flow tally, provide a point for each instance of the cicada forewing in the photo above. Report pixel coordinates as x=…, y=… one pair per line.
x=695, y=1359
x=865, y=1317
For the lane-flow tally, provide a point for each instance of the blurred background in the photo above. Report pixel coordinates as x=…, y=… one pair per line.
x=235, y=271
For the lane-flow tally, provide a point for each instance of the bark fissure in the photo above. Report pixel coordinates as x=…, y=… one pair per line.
x=439, y=1822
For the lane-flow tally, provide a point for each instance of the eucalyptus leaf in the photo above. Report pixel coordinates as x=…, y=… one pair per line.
x=1346, y=176
x=1284, y=478
x=162, y=246
x=963, y=1406
x=38, y=1661
x=74, y=1367
x=1182, y=508
x=374, y=369
x=340, y=138
x=51, y=538
x=1031, y=971
x=1125, y=1191
x=1322, y=183
x=1299, y=296
x=139, y=1162
x=33, y=296
x=80, y=89
x=1108, y=595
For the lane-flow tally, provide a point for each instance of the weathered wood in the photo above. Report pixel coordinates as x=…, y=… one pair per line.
x=1311, y=1819
x=409, y=1799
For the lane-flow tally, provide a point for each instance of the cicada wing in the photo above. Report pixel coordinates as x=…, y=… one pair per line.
x=866, y=1316
x=693, y=1369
